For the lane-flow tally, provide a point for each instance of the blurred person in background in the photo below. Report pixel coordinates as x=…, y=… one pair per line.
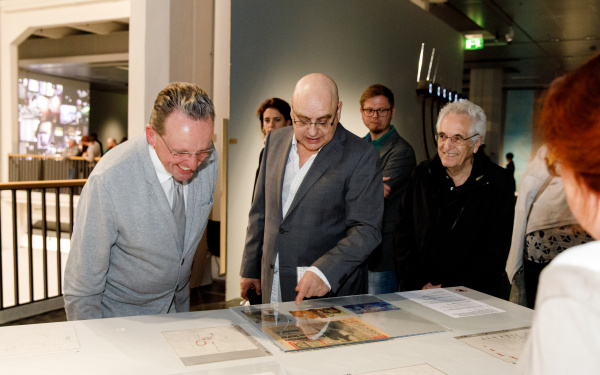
x=92, y=148
x=544, y=227
x=273, y=114
x=110, y=143
x=72, y=149
x=564, y=336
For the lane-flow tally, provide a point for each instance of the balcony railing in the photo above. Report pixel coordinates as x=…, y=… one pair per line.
x=25, y=167
x=36, y=221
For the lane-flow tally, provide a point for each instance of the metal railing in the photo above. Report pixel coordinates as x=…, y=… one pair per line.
x=31, y=268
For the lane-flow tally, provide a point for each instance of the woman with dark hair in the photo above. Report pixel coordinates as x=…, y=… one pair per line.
x=273, y=114
x=565, y=334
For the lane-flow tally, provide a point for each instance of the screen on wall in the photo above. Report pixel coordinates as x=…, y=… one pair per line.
x=50, y=112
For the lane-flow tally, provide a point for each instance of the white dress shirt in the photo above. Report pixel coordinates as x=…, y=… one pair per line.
x=165, y=178
x=294, y=175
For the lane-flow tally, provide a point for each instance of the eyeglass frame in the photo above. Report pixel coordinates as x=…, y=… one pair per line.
x=319, y=125
x=387, y=111
x=453, y=138
x=187, y=155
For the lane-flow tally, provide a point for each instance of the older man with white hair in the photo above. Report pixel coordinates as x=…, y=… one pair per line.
x=455, y=221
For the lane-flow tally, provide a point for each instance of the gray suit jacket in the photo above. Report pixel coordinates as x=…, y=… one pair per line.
x=126, y=258
x=397, y=160
x=333, y=222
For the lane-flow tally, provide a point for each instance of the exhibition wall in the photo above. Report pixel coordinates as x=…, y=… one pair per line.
x=355, y=42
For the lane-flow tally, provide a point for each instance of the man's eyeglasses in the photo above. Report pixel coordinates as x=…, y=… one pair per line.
x=322, y=125
x=456, y=139
x=381, y=112
x=184, y=155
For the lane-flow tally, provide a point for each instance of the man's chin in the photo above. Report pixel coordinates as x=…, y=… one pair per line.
x=183, y=175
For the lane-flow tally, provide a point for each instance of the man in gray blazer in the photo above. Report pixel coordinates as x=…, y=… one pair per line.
x=316, y=214
x=142, y=213
x=397, y=162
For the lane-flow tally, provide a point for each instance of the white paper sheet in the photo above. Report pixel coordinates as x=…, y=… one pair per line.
x=422, y=369
x=213, y=344
x=506, y=345
x=451, y=304
x=32, y=340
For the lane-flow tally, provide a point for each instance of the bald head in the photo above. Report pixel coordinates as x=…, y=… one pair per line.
x=316, y=111
x=316, y=89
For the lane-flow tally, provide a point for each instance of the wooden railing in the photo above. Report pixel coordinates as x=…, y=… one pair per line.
x=33, y=240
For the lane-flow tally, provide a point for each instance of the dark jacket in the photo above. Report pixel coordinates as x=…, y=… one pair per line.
x=333, y=222
x=455, y=236
x=397, y=160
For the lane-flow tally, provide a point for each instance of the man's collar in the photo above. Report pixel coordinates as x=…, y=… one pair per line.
x=381, y=140
x=160, y=169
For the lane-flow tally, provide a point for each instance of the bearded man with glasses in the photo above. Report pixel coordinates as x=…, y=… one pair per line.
x=455, y=221
x=397, y=160
x=318, y=204
x=142, y=213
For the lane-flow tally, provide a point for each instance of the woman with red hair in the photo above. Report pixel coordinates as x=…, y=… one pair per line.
x=565, y=335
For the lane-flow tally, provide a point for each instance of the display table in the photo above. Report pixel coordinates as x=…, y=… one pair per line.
x=138, y=345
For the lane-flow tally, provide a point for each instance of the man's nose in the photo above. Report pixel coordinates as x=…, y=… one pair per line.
x=194, y=162
x=312, y=129
x=448, y=144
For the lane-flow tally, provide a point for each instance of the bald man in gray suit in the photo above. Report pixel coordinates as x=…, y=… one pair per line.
x=317, y=211
x=133, y=244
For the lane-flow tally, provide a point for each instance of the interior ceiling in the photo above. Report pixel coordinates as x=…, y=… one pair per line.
x=90, y=52
x=533, y=41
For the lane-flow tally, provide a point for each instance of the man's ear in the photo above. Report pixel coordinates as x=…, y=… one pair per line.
x=477, y=144
x=150, y=135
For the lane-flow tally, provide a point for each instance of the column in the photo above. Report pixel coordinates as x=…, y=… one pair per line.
x=486, y=91
x=169, y=41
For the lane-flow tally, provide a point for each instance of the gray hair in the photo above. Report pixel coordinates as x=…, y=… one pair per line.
x=475, y=113
x=186, y=98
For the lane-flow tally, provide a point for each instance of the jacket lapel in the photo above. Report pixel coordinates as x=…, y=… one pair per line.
x=388, y=145
x=194, y=198
x=324, y=160
x=281, y=163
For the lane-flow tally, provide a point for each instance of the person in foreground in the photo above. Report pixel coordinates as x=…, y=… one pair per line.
x=142, y=213
x=455, y=220
x=317, y=210
x=397, y=160
x=566, y=324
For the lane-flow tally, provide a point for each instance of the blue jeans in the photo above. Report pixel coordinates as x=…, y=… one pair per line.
x=382, y=282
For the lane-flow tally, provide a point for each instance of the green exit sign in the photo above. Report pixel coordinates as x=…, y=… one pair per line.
x=473, y=43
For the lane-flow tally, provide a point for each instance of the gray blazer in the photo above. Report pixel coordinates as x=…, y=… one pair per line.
x=126, y=258
x=333, y=222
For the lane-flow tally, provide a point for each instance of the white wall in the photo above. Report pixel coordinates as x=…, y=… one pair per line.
x=356, y=42
x=220, y=96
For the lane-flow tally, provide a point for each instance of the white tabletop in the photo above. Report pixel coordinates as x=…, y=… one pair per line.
x=136, y=345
